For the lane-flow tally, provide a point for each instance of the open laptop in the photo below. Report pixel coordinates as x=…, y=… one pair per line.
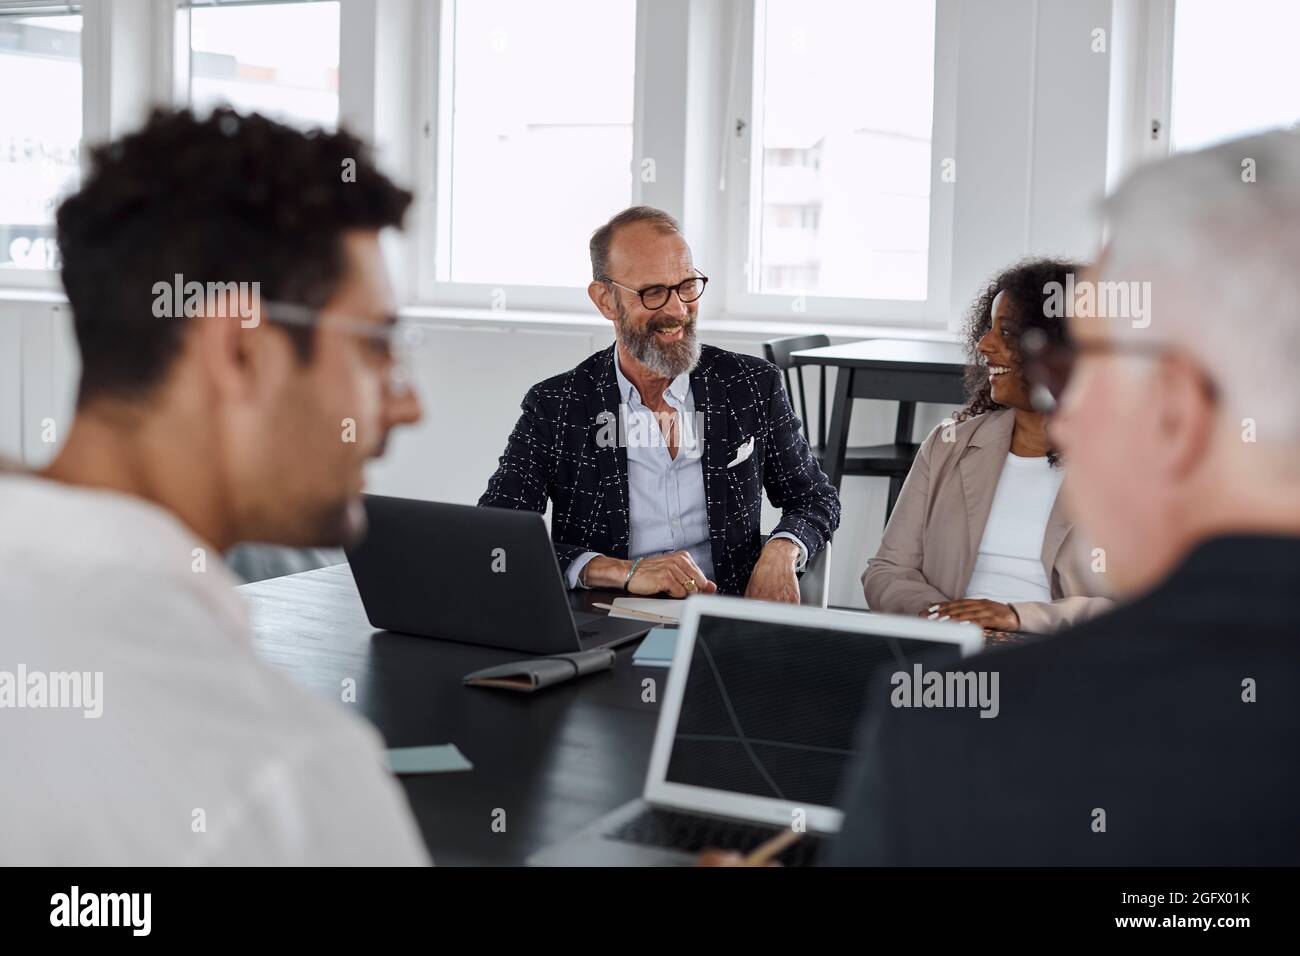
x=757, y=727
x=477, y=575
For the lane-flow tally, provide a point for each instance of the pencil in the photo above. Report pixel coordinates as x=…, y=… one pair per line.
x=771, y=849
x=643, y=615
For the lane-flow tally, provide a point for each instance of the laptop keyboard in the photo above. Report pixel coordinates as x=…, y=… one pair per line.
x=691, y=834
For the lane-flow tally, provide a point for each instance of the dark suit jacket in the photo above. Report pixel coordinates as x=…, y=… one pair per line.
x=553, y=455
x=1138, y=713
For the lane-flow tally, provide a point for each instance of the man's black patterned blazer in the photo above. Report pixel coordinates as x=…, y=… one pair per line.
x=553, y=455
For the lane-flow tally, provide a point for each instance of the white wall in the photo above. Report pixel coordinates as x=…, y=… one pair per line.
x=1031, y=159
x=1031, y=134
x=38, y=375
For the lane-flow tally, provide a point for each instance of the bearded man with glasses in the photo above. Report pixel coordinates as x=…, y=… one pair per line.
x=654, y=453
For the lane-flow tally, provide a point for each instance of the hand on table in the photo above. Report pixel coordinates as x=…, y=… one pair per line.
x=990, y=615
x=674, y=574
x=774, y=577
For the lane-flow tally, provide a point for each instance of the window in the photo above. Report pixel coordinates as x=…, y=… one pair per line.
x=278, y=59
x=1235, y=71
x=40, y=131
x=843, y=109
x=535, y=136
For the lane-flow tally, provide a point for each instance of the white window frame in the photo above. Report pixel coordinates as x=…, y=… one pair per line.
x=173, y=72
x=93, y=111
x=931, y=312
x=1141, y=87
x=432, y=222
x=132, y=57
x=135, y=54
x=1153, y=24
x=1159, y=87
x=174, y=21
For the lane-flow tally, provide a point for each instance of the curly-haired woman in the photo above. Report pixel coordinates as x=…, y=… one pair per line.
x=978, y=533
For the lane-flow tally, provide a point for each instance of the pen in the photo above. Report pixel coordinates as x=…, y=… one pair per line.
x=643, y=615
x=772, y=848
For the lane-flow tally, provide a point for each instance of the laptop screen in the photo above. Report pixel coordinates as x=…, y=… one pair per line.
x=772, y=710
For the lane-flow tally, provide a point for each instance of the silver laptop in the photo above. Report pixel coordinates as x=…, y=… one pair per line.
x=757, y=727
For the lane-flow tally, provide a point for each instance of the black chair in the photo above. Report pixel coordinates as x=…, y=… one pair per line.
x=892, y=461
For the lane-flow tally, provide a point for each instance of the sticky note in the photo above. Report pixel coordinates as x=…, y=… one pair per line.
x=442, y=758
x=657, y=648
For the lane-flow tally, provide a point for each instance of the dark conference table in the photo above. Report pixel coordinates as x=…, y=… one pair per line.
x=554, y=760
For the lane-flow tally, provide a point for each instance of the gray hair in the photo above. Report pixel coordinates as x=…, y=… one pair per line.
x=1217, y=234
x=604, y=236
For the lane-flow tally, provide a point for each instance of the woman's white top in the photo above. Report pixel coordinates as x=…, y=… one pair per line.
x=1009, y=564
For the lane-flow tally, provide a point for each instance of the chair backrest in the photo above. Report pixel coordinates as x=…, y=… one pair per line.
x=777, y=351
x=815, y=585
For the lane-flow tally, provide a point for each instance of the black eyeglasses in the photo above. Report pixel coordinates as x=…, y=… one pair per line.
x=656, y=296
x=1049, y=364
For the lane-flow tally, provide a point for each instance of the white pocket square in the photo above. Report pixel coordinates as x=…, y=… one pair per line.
x=742, y=453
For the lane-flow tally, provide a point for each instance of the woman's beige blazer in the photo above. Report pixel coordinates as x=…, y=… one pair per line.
x=929, y=548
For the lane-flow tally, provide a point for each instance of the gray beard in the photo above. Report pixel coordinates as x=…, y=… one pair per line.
x=659, y=358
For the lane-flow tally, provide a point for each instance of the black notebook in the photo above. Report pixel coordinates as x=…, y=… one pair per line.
x=538, y=672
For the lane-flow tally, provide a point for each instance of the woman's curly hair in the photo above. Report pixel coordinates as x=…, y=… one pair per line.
x=1027, y=284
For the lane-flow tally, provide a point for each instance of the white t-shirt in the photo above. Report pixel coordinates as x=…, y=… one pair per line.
x=200, y=754
x=1009, y=564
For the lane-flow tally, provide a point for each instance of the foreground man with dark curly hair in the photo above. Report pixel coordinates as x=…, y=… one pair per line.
x=232, y=310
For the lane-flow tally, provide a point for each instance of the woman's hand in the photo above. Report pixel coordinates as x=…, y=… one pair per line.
x=987, y=614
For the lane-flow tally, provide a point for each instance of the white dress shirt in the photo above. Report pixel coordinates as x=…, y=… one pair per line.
x=200, y=754
x=667, y=507
x=1009, y=564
